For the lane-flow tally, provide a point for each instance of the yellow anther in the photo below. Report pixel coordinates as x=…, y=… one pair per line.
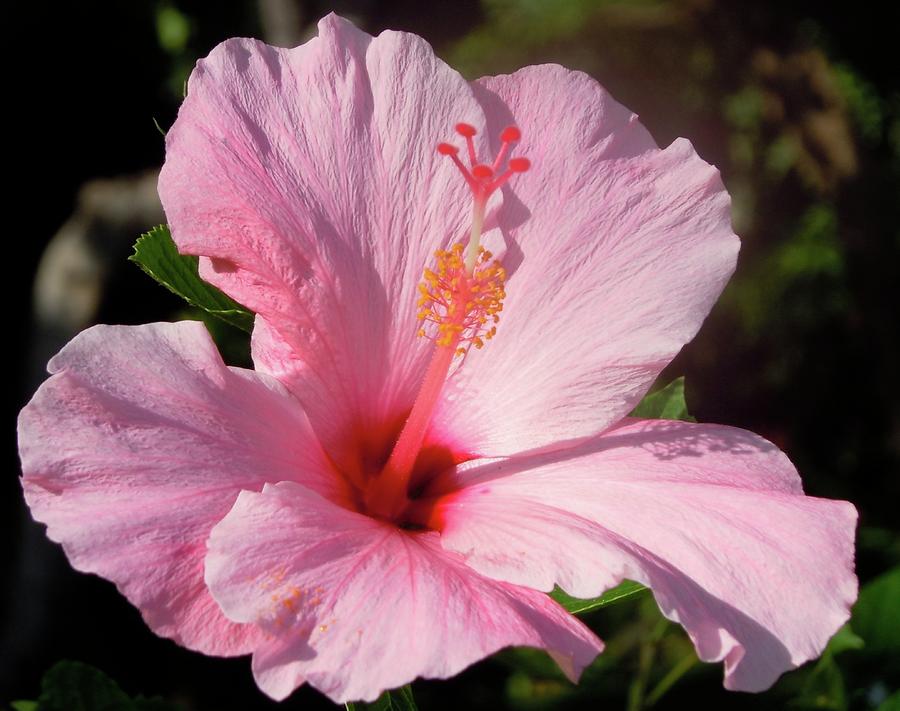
x=461, y=302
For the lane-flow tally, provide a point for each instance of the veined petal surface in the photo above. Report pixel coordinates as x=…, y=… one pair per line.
x=354, y=606
x=616, y=251
x=309, y=179
x=137, y=445
x=711, y=518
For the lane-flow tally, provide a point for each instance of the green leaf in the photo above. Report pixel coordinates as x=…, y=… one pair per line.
x=74, y=686
x=24, y=705
x=157, y=255
x=624, y=591
x=397, y=700
x=665, y=404
x=876, y=615
x=824, y=686
x=844, y=639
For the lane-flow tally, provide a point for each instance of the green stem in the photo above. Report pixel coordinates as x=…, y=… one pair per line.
x=646, y=656
x=669, y=680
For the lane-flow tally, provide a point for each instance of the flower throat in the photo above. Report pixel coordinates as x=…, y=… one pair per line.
x=460, y=300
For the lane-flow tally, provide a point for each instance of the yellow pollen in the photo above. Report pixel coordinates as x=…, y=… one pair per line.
x=460, y=302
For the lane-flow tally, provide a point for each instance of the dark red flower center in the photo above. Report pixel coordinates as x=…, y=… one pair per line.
x=366, y=453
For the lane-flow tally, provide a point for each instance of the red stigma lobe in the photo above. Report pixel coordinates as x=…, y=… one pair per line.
x=482, y=178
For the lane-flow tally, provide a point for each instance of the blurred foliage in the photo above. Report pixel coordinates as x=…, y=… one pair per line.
x=173, y=28
x=877, y=616
x=396, y=700
x=74, y=686
x=173, y=32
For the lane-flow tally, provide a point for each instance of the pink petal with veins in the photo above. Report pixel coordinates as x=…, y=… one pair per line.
x=137, y=445
x=712, y=518
x=355, y=606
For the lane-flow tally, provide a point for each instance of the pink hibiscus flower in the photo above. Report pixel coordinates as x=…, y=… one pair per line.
x=369, y=505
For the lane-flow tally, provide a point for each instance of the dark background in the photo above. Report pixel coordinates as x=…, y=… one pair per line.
x=797, y=103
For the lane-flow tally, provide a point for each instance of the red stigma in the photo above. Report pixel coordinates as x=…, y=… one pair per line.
x=519, y=165
x=510, y=134
x=483, y=178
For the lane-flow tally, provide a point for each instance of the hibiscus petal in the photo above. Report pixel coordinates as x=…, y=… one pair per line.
x=137, y=445
x=310, y=177
x=355, y=606
x=712, y=518
x=616, y=251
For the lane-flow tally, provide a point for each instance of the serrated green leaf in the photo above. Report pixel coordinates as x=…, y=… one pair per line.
x=624, y=591
x=665, y=404
x=74, y=686
x=396, y=700
x=157, y=255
